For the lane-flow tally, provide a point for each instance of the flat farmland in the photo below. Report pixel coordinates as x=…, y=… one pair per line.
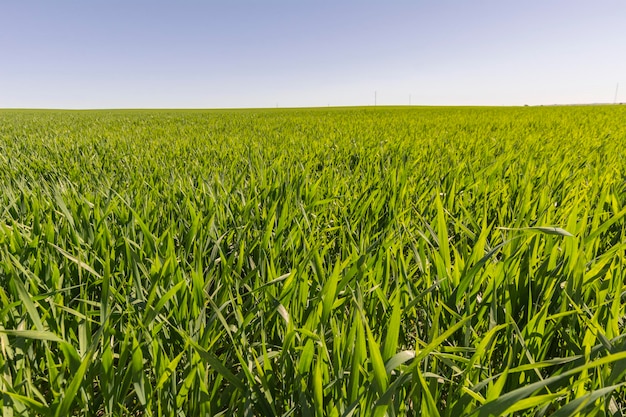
x=432, y=261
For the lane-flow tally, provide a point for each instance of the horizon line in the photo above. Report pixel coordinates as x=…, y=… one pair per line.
x=307, y=107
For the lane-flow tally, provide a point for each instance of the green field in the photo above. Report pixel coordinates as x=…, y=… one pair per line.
x=309, y=262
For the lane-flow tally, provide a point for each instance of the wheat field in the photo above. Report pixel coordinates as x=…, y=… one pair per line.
x=313, y=262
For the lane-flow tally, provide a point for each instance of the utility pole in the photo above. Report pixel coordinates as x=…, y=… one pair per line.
x=616, y=90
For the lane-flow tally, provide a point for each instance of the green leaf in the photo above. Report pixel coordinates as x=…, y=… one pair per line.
x=549, y=230
x=580, y=404
x=34, y=334
x=502, y=403
x=25, y=296
x=378, y=365
x=39, y=407
x=393, y=330
x=75, y=260
x=399, y=359
x=69, y=396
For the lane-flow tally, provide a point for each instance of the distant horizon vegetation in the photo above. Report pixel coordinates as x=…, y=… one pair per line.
x=356, y=106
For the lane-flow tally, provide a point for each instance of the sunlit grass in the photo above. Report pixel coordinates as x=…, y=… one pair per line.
x=366, y=261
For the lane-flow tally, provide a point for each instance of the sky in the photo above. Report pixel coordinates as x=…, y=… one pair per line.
x=299, y=53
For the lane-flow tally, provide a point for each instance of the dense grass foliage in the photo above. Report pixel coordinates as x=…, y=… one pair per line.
x=365, y=261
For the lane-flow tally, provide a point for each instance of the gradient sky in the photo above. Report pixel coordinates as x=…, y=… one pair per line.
x=244, y=53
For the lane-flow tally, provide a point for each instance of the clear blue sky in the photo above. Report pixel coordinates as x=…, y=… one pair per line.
x=244, y=53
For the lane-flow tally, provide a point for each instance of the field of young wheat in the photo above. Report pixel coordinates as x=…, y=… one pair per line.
x=313, y=262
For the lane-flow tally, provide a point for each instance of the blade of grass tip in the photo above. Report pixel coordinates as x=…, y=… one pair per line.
x=380, y=375
x=359, y=353
x=64, y=209
x=70, y=393
x=282, y=311
x=418, y=297
x=148, y=235
x=318, y=385
x=25, y=296
x=549, y=230
x=552, y=231
x=619, y=368
x=503, y=402
x=532, y=402
x=466, y=277
x=137, y=367
x=439, y=340
x=482, y=347
x=442, y=234
x=399, y=359
x=393, y=329
x=77, y=379
x=378, y=366
x=435, y=343
x=272, y=282
x=185, y=387
x=151, y=313
x=39, y=408
x=75, y=260
x=34, y=334
x=475, y=395
x=496, y=389
x=214, y=362
x=580, y=404
x=429, y=406
x=306, y=357
x=605, y=226
x=354, y=409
